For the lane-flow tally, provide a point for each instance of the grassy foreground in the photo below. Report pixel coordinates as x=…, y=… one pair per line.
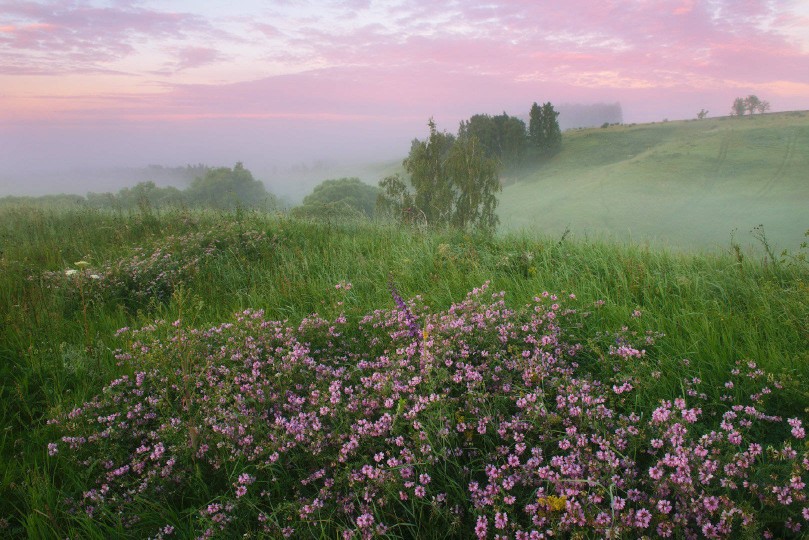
x=352, y=421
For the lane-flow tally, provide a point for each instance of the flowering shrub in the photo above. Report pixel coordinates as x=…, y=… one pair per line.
x=475, y=421
x=151, y=274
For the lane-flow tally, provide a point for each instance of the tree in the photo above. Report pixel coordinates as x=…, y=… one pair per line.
x=503, y=137
x=536, y=136
x=544, y=133
x=343, y=196
x=226, y=188
x=144, y=196
x=702, y=114
x=739, y=107
x=451, y=182
x=550, y=127
x=396, y=200
x=752, y=103
x=476, y=182
x=425, y=164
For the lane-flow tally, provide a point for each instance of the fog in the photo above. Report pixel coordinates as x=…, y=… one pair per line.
x=36, y=160
x=289, y=155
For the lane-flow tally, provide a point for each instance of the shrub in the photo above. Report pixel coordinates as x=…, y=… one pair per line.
x=477, y=420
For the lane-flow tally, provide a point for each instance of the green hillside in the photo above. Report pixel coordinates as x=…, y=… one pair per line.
x=685, y=184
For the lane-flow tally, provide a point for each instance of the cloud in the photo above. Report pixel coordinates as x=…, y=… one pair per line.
x=194, y=57
x=66, y=37
x=397, y=63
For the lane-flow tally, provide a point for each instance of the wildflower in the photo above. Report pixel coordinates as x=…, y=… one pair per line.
x=798, y=430
x=481, y=527
x=246, y=479
x=552, y=503
x=365, y=521
x=53, y=449
x=642, y=518
x=711, y=503
x=70, y=272
x=410, y=319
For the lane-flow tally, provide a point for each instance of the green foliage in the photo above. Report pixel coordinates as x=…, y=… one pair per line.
x=751, y=104
x=224, y=188
x=476, y=182
x=544, y=134
x=503, y=137
x=143, y=196
x=396, y=200
x=453, y=182
x=739, y=107
x=340, y=197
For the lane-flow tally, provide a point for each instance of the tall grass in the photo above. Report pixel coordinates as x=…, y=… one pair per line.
x=57, y=343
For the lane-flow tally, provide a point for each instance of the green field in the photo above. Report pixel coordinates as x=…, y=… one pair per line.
x=60, y=345
x=684, y=184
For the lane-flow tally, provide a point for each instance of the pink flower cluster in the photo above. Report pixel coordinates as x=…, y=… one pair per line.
x=484, y=425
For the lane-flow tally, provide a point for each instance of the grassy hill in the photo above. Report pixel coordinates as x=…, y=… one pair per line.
x=685, y=184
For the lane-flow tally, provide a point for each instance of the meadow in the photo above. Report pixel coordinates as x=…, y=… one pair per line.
x=682, y=185
x=183, y=374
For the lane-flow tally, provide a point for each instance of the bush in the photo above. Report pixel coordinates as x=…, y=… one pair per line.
x=478, y=420
x=342, y=197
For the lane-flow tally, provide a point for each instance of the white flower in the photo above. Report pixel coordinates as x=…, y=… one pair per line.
x=70, y=272
x=95, y=276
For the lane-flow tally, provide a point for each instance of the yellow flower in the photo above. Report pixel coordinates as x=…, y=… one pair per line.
x=552, y=503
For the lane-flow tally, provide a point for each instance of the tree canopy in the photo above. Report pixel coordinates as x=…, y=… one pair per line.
x=226, y=188
x=544, y=133
x=503, y=137
x=751, y=104
x=451, y=181
x=340, y=196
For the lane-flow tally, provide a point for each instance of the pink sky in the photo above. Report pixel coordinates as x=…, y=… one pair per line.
x=130, y=82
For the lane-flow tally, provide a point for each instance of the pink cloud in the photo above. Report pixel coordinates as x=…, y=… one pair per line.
x=348, y=66
x=64, y=37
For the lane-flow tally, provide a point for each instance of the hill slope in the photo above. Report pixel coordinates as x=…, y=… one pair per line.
x=686, y=184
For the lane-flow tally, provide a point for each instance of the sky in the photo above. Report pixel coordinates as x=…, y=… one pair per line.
x=103, y=83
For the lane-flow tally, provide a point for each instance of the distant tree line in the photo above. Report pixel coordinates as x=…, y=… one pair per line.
x=219, y=188
x=751, y=104
x=507, y=140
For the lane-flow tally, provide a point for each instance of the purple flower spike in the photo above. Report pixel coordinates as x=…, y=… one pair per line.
x=412, y=323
